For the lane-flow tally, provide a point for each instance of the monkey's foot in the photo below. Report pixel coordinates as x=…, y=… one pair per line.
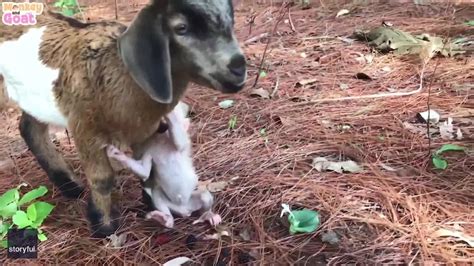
x=213, y=218
x=161, y=217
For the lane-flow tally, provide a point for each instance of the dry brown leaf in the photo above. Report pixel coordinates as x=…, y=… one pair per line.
x=305, y=82
x=6, y=164
x=260, y=92
x=456, y=234
x=217, y=186
x=117, y=241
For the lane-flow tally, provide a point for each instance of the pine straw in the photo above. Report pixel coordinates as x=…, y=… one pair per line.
x=382, y=216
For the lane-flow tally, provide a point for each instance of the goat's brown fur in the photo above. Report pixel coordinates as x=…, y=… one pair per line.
x=88, y=59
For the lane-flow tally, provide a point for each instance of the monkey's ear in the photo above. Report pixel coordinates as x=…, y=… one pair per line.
x=144, y=49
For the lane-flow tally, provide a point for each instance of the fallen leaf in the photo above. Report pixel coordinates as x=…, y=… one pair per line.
x=346, y=40
x=305, y=82
x=226, y=104
x=343, y=86
x=330, y=237
x=362, y=76
x=414, y=129
x=245, y=235
x=177, y=261
x=433, y=116
x=6, y=164
x=217, y=186
x=459, y=134
x=162, y=239
x=260, y=92
x=117, y=241
x=446, y=129
x=456, y=234
x=369, y=58
x=322, y=164
x=221, y=231
x=342, y=12
x=386, y=69
x=388, y=168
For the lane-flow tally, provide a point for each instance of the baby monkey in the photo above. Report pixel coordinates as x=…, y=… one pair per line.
x=168, y=173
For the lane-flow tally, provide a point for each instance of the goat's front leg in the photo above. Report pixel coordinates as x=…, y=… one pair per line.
x=101, y=213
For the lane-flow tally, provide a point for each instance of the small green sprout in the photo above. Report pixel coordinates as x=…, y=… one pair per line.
x=301, y=221
x=438, y=161
x=232, y=122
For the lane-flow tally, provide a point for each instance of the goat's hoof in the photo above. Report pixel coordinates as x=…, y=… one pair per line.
x=103, y=230
x=98, y=227
x=69, y=189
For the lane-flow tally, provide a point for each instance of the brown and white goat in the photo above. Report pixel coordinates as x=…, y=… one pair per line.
x=109, y=84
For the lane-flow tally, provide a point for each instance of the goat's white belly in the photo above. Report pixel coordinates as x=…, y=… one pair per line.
x=29, y=82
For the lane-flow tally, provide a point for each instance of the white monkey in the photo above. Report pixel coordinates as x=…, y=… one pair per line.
x=167, y=159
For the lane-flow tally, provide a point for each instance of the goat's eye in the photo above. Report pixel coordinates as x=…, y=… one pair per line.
x=181, y=29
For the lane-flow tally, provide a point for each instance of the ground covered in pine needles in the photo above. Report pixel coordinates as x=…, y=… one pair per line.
x=398, y=209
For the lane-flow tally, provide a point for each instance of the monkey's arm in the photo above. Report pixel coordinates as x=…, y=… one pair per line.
x=140, y=167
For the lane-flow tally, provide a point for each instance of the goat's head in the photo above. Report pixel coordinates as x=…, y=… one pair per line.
x=189, y=37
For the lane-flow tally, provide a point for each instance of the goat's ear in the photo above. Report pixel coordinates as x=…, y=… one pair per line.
x=144, y=48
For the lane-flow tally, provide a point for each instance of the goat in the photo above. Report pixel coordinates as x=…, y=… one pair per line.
x=112, y=84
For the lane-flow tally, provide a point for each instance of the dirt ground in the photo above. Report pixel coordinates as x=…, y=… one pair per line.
x=399, y=209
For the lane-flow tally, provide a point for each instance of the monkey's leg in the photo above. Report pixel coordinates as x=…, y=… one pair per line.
x=37, y=139
x=203, y=200
x=102, y=215
x=163, y=213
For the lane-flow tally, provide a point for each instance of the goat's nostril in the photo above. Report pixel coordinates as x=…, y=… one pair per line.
x=237, y=65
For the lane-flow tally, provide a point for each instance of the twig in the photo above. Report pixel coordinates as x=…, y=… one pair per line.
x=256, y=38
x=291, y=21
x=370, y=96
x=277, y=86
x=116, y=10
x=283, y=8
x=80, y=11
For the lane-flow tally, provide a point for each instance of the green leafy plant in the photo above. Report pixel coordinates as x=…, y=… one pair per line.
x=263, y=134
x=232, y=122
x=67, y=7
x=438, y=161
x=14, y=214
x=469, y=23
x=301, y=221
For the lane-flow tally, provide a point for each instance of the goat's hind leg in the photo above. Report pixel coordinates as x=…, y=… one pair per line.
x=36, y=136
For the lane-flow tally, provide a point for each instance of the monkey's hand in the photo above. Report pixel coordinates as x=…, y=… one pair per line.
x=213, y=218
x=116, y=154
